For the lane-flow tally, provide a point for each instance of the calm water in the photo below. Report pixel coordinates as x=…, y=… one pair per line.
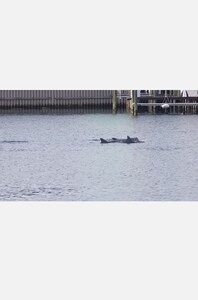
x=59, y=157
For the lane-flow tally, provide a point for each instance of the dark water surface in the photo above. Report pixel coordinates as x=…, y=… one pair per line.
x=59, y=157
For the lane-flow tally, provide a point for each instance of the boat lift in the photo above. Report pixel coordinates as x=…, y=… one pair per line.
x=164, y=101
x=162, y=104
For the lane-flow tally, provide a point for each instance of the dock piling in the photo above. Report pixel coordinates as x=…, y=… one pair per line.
x=114, y=102
x=130, y=102
x=135, y=107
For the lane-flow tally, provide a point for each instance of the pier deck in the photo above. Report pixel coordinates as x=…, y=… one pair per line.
x=106, y=100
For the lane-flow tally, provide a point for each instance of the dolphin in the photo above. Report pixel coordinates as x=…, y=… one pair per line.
x=128, y=140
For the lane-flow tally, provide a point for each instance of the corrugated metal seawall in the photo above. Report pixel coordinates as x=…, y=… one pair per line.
x=55, y=98
x=59, y=101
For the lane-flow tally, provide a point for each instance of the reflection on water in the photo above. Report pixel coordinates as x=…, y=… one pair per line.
x=60, y=157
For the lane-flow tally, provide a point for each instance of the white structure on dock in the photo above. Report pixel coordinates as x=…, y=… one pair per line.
x=184, y=93
x=189, y=93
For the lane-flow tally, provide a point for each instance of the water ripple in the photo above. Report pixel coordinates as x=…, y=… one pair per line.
x=59, y=157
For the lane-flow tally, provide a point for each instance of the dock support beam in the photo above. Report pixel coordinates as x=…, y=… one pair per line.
x=130, y=106
x=114, y=102
x=135, y=107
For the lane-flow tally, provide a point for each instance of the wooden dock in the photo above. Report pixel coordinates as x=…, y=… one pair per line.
x=95, y=100
x=177, y=104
